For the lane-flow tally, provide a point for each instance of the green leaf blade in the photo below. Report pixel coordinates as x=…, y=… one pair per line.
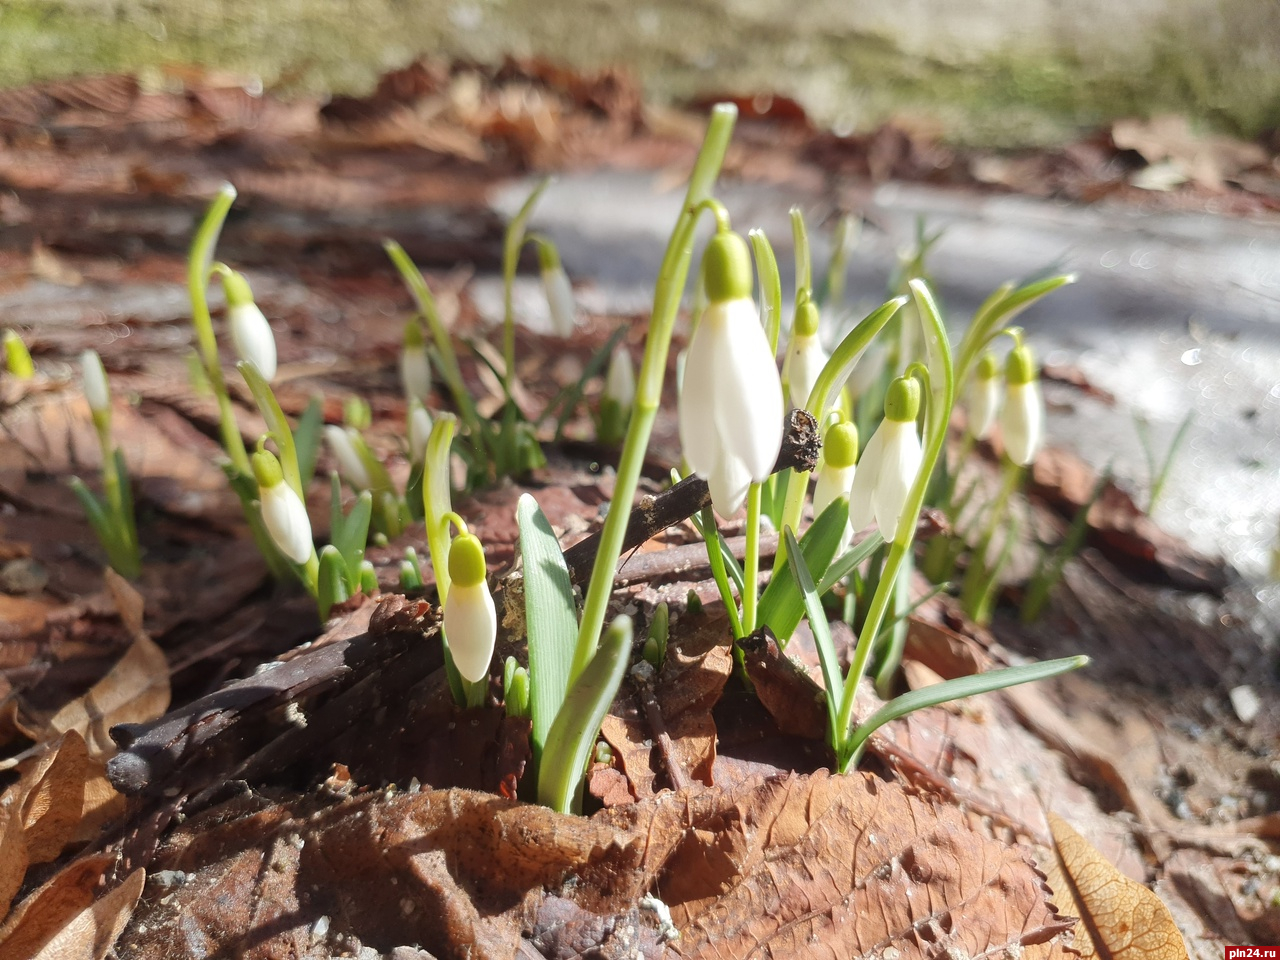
x=781, y=604
x=832, y=678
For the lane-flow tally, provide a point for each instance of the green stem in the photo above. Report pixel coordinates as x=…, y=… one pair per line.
x=804, y=263
x=666, y=304
x=512, y=244
x=719, y=573
x=975, y=577
x=751, y=560
x=942, y=397
x=199, y=261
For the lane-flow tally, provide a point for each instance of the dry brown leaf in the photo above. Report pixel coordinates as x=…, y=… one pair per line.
x=13, y=850
x=136, y=689
x=39, y=917
x=52, y=793
x=102, y=802
x=842, y=866
x=91, y=932
x=1121, y=918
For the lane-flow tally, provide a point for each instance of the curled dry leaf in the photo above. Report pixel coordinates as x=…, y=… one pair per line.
x=52, y=793
x=13, y=851
x=92, y=931
x=1121, y=918
x=39, y=918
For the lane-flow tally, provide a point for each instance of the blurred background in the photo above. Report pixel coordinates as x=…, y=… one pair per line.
x=1006, y=72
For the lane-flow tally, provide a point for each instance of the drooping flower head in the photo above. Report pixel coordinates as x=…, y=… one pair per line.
x=839, y=454
x=805, y=356
x=555, y=282
x=1022, y=419
x=415, y=367
x=890, y=462
x=619, y=396
x=984, y=396
x=351, y=467
x=96, y=391
x=419, y=428
x=470, y=621
x=250, y=333
x=731, y=396
x=283, y=513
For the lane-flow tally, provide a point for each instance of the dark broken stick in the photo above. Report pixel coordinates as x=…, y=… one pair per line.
x=652, y=515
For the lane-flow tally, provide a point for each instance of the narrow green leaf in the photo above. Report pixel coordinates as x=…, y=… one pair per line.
x=957, y=689
x=832, y=679
x=354, y=536
x=306, y=439
x=770, y=285
x=849, y=561
x=574, y=731
x=781, y=605
x=277, y=424
x=550, y=617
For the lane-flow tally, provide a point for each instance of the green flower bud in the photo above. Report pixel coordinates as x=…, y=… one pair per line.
x=726, y=268
x=266, y=469
x=1020, y=366
x=840, y=447
x=466, y=561
x=902, y=401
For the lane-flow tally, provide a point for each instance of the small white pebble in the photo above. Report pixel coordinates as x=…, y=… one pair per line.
x=319, y=929
x=1246, y=703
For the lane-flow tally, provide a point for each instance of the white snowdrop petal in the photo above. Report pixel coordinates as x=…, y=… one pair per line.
x=900, y=464
x=560, y=301
x=252, y=338
x=419, y=433
x=350, y=467
x=95, y=382
x=834, y=482
x=698, y=438
x=1022, y=422
x=286, y=520
x=620, y=381
x=749, y=401
x=415, y=373
x=807, y=360
x=728, y=480
x=471, y=627
x=984, y=404
x=861, y=504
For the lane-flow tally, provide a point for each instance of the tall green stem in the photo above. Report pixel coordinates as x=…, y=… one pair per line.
x=512, y=244
x=751, y=561
x=199, y=261
x=666, y=304
x=942, y=378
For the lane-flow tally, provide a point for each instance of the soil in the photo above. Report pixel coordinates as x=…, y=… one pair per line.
x=288, y=758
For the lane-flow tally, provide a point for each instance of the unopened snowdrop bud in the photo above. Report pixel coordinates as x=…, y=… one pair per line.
x=95, y=384
x=619, y=396
x=419, y=431
x=250, y=333
x=1022, y=419
x=415, y=367
x=17, y=359
x=282, y=511
x=984, y=396
x=839, y=454
x=805, y=356
x=350, y=467
x=731, y=397
x=890, y=462
x=559, y=291
x=470, y=621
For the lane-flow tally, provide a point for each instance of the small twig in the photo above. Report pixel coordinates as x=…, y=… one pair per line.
x=661, y=739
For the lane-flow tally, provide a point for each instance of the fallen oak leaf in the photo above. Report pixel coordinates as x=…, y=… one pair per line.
x=52, y=792
x=13, y=850
x=38, y=918
x=93, y=931
x=1121, y=918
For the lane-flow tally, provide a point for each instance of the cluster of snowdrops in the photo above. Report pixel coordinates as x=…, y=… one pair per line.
x=733, y=400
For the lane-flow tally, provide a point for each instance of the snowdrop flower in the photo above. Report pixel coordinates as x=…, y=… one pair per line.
x=419, y=431
x=890, y=462
x=559, y=291
x=839, y=454
x=805, y=356
x=1022, y=420
x=619, y=396
x=470, y=621
x=350, y=465
x=415, y=367
x=250, y=333
x=282, y=511
x=731, y=400
x=95, y=384
x=984, y=396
